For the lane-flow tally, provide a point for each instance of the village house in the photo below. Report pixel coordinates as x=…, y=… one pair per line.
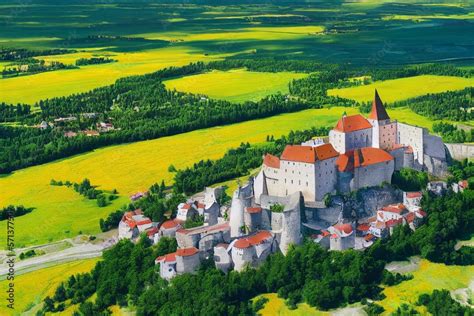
x=187, y=211
x=70, y=134
x=91, y=133
x=105, y=127
x=134, y=223
x=460, y=186
x=185, y=260
x=168, y=228
x=251, y=250
x=342, y=237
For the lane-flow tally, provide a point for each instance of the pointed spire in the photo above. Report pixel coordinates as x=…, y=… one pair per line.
x=378, y=110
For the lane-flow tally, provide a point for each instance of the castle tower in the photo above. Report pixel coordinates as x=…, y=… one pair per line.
x=384, y=131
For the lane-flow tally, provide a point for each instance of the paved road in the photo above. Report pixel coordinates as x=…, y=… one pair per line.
x=76, y=252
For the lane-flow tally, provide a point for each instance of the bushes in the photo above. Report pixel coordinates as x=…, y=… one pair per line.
x=14, y=211
x=440, y=303
x=410, y=180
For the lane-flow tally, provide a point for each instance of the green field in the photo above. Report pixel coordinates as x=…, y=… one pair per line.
x=276, y=306
x=32, y=287
x=404, y=88
x=236, y=85
x=60, y=212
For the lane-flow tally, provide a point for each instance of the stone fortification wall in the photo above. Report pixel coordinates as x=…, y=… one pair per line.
x=372, y=175
x=460, y=151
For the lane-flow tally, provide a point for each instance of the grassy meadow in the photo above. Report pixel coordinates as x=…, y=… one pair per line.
x=32, y=287
x=236, y=85
x=427, y=277
x=276, y=306
x=61, y=212
x=403, y=88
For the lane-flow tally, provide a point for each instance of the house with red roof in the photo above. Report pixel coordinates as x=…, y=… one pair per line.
x=251, y=250
x=133, y=223
x=412, y=200
x=342, y=236
x=184, y=260
x=187, y=211
x=351, y=132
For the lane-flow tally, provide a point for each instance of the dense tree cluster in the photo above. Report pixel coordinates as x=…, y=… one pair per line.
x=14, y=211
x=452, y=134
x=408, y=179
x=440, y=303
x=237, y=162
x=451, y=105
x=12, y=113
x=94, y=61
x=12, y=54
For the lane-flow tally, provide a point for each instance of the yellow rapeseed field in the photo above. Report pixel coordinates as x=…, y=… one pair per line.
x=236, y=85
x=276, y=306
x=32, y=287
x=404, y=88
x=30, y=89
x=427, y=277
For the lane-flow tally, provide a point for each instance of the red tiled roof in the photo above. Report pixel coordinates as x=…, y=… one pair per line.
x=186, y=252
x=144, y=221
x=352, y=123
x=170, y=224
x=271, y=161
x=131, y=224
x=393, y=222
x=463, y=184
x=253, y=240
x=253, y=210
x=151, y=231
x=308, y=154
x=167, y=258
x=395, y=208
x=422, y=213
x=369, y=237
x=363, y=227
x=413, y=195
x=346, y=228
x=378, y=110
x=410, y=217
x=186, y=206
x=361, y=158
x=334, y=236
x=201, y=205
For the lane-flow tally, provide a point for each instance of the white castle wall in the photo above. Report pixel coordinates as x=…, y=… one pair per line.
x=359, y=139
x=296, y=177
x=384, y=134
x=413, y=136
x=372, y=175
x=338, y=140
x=187, y=264
x=326, y=177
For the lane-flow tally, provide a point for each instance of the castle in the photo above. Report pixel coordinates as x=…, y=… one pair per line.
x=268, y=214
x=361, y=152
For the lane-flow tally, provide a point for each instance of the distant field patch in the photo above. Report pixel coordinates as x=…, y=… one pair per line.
x=427, y=277
x=276, y=306
x=404, y=88
x=420, y=18
x=32, y=287
x=30, y=89
x=235, y=85
x=60, y=212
